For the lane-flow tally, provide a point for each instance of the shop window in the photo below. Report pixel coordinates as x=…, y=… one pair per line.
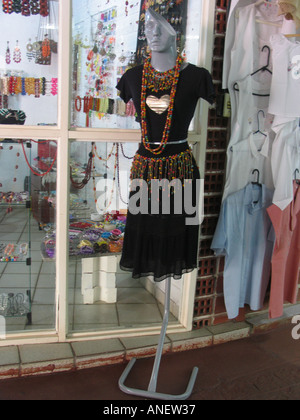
x=28, y=62
x=109, y=38
x=27, y=202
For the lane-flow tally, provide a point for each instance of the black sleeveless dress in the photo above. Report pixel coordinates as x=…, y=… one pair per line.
x=158, y=243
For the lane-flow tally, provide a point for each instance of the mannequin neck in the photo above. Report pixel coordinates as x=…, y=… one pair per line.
x=163, y=61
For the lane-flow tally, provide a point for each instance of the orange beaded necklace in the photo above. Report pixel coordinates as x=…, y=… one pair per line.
x=155, y=80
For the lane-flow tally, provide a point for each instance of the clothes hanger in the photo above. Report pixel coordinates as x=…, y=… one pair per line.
x=265, y=22
x=258, y=131
x=266, y=67
x=292, y=35
x=263, y=68
x=257, y=179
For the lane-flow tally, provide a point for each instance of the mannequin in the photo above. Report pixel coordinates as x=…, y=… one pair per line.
x=165, y=91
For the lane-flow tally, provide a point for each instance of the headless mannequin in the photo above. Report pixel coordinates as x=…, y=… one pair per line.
x=161, y=39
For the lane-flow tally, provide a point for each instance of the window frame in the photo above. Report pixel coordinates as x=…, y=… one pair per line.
x=63, y=134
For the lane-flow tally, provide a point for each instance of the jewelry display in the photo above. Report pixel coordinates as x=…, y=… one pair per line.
x=86, y=238
x=26, y=7
x=15, y=85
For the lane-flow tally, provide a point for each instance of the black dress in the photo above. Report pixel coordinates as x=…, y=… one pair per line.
x=164, y=245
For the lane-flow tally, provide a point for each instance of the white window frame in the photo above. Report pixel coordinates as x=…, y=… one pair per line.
x=63, y=135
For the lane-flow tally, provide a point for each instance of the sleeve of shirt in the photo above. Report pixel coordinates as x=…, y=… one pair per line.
x=124, y=88
x=206, y=89
x=219, y=243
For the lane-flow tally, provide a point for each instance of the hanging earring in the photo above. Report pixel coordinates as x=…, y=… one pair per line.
x=29, y=50
x=7, y=54
x=17, y=53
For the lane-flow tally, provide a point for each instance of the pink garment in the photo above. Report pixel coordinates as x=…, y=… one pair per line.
x=286, y=255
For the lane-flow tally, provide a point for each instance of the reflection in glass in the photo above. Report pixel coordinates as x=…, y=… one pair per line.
x=101, y=296
x=28, y=63
x=27, y=215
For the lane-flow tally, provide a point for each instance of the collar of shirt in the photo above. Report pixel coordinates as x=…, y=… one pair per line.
x=255, y=197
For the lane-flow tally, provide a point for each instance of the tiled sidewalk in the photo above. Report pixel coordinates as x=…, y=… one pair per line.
x=28, y=360
x=264, y=366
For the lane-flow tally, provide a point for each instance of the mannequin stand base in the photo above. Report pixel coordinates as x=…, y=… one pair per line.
x=151, y=392
x=154, y=394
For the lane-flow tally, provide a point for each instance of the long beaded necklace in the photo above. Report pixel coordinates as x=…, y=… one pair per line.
x=155, y=80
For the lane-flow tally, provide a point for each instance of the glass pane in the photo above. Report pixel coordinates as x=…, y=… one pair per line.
x=28, y=62
x=108, y=38
x=101, y=296
x=27, y=194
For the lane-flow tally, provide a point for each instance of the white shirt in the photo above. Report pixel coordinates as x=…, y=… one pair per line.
x=245, y=236
x=246, y=117
x=244, y=55
x=285, y=87
x=243, y=158
x=285, y=160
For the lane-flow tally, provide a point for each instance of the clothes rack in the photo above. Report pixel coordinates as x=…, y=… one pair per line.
x=151, y=392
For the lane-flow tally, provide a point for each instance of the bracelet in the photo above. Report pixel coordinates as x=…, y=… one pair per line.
x=25, y=8
x=9, y=249
x=44, y=9
x=35, y=7
x=7, y=6
x=23, y=249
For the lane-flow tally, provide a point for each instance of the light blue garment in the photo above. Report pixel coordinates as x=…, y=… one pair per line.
x=246, y=237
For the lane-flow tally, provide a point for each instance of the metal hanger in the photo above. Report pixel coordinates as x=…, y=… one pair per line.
x=266, y=67
x=258, y=176
x=258, y=131
x=263, y=68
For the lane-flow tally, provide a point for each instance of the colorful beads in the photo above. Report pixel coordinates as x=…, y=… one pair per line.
x=171, y=167
x=150, y=80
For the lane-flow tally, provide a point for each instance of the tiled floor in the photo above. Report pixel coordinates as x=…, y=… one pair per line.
x=135, y=305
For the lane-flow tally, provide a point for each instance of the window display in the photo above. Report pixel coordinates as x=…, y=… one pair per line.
x=94, y=176
x=28, y=62
x=27, y=172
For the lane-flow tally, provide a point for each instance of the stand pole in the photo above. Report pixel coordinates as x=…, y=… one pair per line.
x=151, y=392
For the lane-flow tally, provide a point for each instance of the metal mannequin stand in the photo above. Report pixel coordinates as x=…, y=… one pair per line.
x=151, y=392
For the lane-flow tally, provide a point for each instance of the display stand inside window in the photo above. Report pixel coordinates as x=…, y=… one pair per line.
x=15, y=249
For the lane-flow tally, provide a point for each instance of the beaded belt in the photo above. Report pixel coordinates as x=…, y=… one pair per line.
x=179, y=166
